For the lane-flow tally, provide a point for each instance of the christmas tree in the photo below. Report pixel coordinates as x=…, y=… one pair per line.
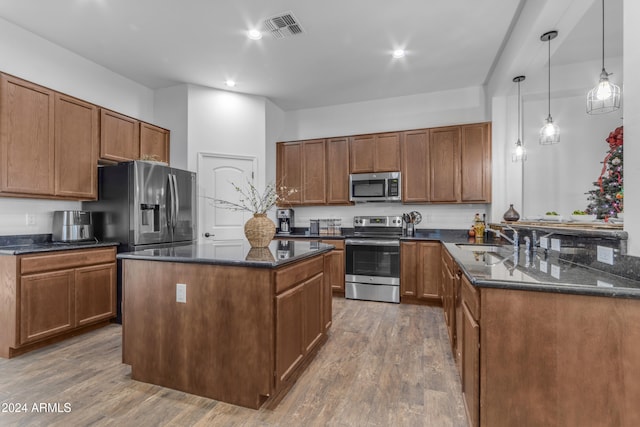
x=606, y=200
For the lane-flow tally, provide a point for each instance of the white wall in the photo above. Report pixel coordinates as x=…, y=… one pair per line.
x=631, y=94
x=32, y=58
x=172, y=112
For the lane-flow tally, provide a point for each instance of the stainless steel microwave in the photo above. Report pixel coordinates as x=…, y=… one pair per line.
x=375, y=187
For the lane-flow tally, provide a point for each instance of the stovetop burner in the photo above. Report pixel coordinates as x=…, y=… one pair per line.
x=377, y=226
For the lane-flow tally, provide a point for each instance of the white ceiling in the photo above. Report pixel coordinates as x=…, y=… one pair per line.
x=343, y=56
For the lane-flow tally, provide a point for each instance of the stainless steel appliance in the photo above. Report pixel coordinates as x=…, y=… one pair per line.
x=144, y=205
x=285, y=220
x=72, y=226
x=375, y=187
x=372, y=270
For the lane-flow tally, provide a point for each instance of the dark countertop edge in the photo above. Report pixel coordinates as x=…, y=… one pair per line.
x=570, y=231
x=56, y=248
x=560, y=288
x=310, y=236
x=232, y=263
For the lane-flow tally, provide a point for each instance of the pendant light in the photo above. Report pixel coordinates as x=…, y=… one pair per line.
x=605, y=97
x=550, y=132
x=519, y=152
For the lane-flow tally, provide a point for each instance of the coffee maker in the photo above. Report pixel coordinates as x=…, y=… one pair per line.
x=285, y=220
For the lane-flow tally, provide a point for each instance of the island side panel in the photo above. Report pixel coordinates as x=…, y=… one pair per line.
x=559, y=359
x=219, y=344
x=9, y=277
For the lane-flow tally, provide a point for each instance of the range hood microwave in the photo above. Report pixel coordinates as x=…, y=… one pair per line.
x=375, y=187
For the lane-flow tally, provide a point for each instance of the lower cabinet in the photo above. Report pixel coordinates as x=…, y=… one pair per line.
x=420, y=271
x=470, y=353
x=50, y=294
x=334, y=265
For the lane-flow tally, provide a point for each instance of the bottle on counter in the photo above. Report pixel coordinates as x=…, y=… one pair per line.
x=478, y=227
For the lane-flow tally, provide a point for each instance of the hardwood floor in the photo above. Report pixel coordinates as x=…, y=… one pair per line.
x=383, y=365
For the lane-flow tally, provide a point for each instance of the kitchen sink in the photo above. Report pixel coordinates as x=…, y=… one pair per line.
x=478, y=248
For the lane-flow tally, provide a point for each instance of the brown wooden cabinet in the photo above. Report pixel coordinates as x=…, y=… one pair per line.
x=375, y=153
x=154, y=143
x=27, y=149
x=76, y=148
x=334, y=265
x=301, y=167
x=420, y=270
x=444, y=164
x=54, y=294
x=470, y=353
x=290, y=348
x=119, y=137
x=415, y=170
x=475, y=163
x=337, y=161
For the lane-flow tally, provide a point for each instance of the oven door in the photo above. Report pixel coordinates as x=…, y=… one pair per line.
x=375, y=261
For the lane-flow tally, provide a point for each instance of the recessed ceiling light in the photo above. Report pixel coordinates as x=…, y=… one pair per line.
x=254, y=34
x=399, y=53
x=230, y=83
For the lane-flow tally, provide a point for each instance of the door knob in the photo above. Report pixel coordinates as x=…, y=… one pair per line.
x=208, y=235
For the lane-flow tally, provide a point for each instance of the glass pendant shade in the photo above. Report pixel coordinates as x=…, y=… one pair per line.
x=519, y=153
x=605, y=97
x=549, y=133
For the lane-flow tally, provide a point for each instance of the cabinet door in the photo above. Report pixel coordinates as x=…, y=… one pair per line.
x=471, y=366
x=313, y=172
x=429, y=262
x=361, y=154
x=313, y=295
x=475, y=160
x=290, y=171
x=337, y=161
x=334, y=267
x=444, y=164
x=154, y=143
x=289, y=333
x=76, y=148
x=415, y=175
x=26, y=137
x=95, y=293
x=408, y=269
x=46, y=305
x=387, y=153
x=119, y=137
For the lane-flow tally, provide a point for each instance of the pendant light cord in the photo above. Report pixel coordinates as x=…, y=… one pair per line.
x=602, y=35
x=519, y=112
x=549, y=79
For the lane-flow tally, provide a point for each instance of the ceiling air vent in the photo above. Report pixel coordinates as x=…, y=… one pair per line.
x=283, y=25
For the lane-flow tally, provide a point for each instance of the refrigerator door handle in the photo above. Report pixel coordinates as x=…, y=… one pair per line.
x=176, y=201
x=169, y=207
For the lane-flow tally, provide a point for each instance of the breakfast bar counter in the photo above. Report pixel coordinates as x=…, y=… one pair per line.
x=225, y=321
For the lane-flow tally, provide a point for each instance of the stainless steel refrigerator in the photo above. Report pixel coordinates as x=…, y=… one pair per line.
x=144, y=205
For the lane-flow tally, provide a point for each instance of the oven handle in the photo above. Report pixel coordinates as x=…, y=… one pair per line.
x=371, y=242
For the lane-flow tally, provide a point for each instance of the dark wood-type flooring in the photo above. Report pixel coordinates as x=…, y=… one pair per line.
x=383, y=365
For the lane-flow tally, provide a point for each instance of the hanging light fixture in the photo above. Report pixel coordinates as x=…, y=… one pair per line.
x=519, y=152
x=550, y=132
x=605, y=97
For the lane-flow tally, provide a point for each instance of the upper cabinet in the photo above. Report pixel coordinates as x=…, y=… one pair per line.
x=26, y=138
x=76, y=148
x=449, y=164
x=154, y=143
x=375, y=153
x=301, y=168
x=475, y=163
x=119, y=137
x=337, y=160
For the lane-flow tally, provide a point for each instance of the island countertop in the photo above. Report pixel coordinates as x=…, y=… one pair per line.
x=241, y=254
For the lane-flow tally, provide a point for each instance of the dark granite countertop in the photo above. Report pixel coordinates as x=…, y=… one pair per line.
x=36, y=247
x=303, y=235
x=502, y=267
x=278, y=253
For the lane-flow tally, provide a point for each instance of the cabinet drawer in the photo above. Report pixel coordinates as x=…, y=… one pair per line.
x=471, y=297
x=289, y=276
x=30, y=264
x=448, y=260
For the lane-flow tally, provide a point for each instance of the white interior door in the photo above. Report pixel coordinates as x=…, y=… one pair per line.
x=216, y=172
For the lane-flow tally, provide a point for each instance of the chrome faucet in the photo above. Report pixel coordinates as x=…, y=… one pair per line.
x=515, y=241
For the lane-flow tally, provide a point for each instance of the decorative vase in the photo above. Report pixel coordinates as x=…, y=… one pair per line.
x=511, y=215
x=259, y=230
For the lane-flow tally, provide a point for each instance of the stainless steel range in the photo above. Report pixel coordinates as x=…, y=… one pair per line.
x=373, y=259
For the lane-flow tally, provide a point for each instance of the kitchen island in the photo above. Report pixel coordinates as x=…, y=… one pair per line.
x=225, y=321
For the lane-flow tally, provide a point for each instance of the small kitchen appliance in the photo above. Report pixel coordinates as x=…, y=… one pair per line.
x=285, y=220
x=72, y=226
x=375, y=187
